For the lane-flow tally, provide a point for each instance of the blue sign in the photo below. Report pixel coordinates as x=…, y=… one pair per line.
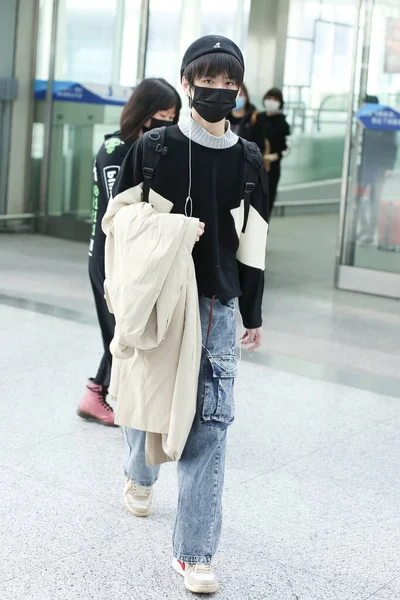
x=379, y=116
x=69, y=91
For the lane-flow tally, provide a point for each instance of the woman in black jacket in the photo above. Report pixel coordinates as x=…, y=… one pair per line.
x=270, y=133
x=154, y=103
x=243, y=117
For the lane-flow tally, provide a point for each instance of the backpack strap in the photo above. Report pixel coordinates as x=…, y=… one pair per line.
x=254, y=167
x=254, y=171
x=153, y=148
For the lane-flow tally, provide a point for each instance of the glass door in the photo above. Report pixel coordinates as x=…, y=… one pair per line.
x=88, y=55
x=369, y=242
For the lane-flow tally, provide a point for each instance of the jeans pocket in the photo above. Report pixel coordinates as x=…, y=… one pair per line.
x=219, y=404
x=228, y=302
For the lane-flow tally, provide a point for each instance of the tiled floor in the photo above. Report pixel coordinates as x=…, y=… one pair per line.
x=311, y=507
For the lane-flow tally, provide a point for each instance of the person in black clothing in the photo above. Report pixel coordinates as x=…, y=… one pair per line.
x=209, y=173
x=154, y=103
x=243, y=116
x=270, y=133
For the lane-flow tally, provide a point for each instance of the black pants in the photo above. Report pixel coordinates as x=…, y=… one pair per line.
x=273, y=179
x=106, y=319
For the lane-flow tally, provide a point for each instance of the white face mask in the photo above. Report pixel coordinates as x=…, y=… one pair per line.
x=272, y=106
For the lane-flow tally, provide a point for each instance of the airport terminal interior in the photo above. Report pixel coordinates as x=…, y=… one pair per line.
x=312, y=497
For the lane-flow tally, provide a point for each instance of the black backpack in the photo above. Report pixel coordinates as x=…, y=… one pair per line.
x=154, y=148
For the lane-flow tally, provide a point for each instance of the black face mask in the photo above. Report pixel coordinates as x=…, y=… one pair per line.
x=159, y=123
x=156, y=123
x=213, y=104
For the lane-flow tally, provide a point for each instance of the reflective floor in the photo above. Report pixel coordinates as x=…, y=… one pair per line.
x=311, y=508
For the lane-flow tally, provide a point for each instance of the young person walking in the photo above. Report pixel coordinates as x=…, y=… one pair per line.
x=153, y=103
x=271, y=132
x=244, y=116
x=204, y=170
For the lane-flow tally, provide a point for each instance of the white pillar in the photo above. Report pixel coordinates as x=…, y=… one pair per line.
x=22, y=111
x=266, y=46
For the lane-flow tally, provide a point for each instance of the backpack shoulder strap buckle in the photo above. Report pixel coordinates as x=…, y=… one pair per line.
x=147, y=172
x=249, y=187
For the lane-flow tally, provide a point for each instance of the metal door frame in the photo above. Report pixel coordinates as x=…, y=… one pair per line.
x=349, y=277
x=8, y=91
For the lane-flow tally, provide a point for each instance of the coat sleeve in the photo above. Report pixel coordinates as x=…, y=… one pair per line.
x=105, y=171
x=108, y=167
x=258, y=133
x=130, y=174
x=283, y=147
x=251, y=255
x=128, y=187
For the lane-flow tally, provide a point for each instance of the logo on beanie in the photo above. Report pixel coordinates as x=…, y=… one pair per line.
x=217, y=45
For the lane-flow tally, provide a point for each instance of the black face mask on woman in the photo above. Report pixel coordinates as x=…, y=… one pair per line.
x=156, y=123
x=213, y=104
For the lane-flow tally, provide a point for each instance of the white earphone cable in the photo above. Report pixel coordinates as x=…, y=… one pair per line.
x=189, y=201
x=242, y=332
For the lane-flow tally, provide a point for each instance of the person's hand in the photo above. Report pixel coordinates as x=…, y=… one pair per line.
x=252, y=338
x=272, y=157
x=200, y=231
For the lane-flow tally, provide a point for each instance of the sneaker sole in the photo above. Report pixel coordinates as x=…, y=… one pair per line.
x=195, y=589
x=89, y=417
x=137, y=512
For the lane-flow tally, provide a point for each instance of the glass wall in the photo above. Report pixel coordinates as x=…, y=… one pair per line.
x=174, y=24
x=97, y=41
x=229, y=18
x=97, y=45
x=163, y=43
x=92, y=38
x=317, y=86
x=369, y=252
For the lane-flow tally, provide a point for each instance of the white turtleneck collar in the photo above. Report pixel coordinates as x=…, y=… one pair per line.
x=201, y=136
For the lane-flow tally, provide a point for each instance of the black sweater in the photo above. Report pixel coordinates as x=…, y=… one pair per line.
x=229, y=262
x=275, y=129
x=242, y=126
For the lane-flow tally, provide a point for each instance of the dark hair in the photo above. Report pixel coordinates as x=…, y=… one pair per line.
x=249, y=105
x=150, y=96
x=371, y=99
x=213, y=64
x=275, y=93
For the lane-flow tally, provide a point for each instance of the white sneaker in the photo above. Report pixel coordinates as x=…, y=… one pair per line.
x=199, y=578
x=138, y=498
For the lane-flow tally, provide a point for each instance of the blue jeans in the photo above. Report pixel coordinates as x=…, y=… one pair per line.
x=202, y=465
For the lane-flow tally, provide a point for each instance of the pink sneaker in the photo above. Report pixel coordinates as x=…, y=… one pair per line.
x=94, y=406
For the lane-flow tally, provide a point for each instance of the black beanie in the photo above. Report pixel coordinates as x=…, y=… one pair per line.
x=209, y=44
